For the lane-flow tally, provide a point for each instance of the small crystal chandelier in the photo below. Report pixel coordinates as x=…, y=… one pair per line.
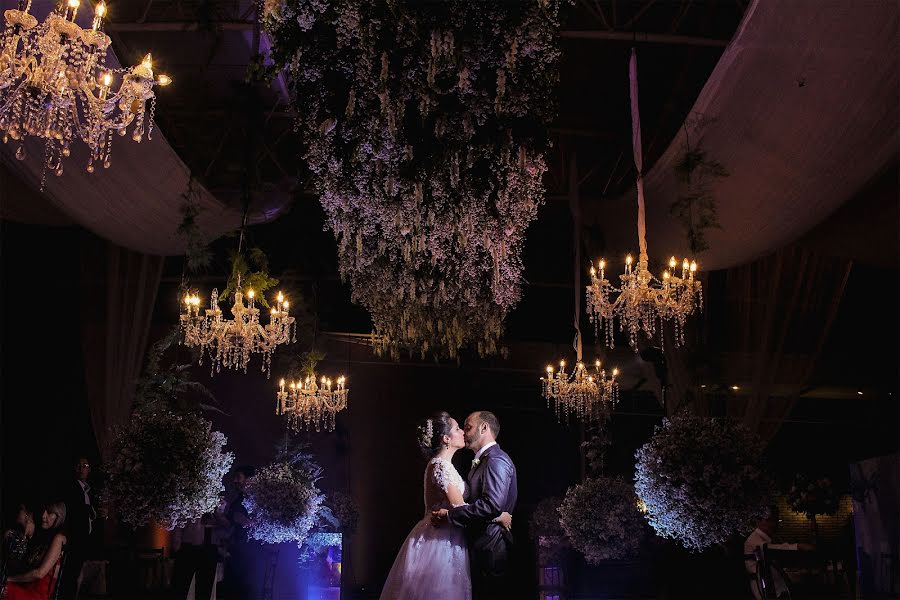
x=54, y=85
x=644, y=303
x=232, y=342
x=308, y=404
x=583, y=394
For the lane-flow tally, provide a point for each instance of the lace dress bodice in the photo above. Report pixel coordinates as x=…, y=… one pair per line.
x=439, y=476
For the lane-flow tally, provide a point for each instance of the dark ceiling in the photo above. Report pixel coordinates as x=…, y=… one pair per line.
x=219, y=124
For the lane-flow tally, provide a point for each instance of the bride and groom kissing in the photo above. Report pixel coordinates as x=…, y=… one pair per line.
x=461, y=547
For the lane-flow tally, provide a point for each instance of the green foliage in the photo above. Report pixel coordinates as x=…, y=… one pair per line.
x=249, y=273
x=198, y=256
x=695, y=206
x=170, y=387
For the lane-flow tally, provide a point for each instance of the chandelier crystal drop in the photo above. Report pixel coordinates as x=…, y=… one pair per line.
x=232, y=342
x=584, y=394
x=312, y=403
x=54, y=85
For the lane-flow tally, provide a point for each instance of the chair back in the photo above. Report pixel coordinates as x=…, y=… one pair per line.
x=57, y=575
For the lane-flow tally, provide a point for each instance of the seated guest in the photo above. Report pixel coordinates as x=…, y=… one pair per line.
x=40, y=558
x=762, y=536
x=15, y=542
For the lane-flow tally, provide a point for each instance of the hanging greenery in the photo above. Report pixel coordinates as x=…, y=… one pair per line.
x=601, y=519
x=701, y=480
x=695, y=206
x=425, y=127
x=252, y=271
x=198, y=256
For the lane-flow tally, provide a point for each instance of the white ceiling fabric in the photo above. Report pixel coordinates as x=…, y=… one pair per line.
x=802, y=109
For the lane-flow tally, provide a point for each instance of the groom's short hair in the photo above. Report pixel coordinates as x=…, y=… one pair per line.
x=491, y=420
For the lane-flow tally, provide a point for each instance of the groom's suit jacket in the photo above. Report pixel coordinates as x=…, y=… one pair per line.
x=492, y=489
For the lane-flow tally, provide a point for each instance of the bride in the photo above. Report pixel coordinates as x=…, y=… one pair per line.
x=433, y=563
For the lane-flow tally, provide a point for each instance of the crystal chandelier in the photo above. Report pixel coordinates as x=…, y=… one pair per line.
x=308, y=404
x=582, y=393
x=644, y=303
x=232, y=342
x=54, y=85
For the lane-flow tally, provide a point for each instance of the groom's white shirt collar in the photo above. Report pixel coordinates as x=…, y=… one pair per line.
x=483, y=448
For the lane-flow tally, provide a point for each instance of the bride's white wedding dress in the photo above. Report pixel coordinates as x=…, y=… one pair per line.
x=433, y=563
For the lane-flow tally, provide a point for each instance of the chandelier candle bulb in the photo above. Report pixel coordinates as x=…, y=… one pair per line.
x=98, y=16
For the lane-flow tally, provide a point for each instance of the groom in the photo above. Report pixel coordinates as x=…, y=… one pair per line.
x=492, y=490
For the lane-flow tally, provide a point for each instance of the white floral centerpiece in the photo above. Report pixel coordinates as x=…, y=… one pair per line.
x=701, y=480
x=283, y=502
x=601, y=519
x=425, y=126
x=167, y=468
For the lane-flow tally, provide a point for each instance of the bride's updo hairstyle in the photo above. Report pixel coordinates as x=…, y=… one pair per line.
x=432, y=431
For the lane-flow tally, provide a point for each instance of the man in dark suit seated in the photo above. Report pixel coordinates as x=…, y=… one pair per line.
x=79, y=526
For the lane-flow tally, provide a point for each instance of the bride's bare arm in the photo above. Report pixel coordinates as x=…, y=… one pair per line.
x=454, y=496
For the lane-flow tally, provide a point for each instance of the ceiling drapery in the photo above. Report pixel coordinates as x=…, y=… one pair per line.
x=801, y=110
x=136, y=203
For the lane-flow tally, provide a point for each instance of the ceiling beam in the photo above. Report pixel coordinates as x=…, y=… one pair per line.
x=644, y=38
x=590, y=34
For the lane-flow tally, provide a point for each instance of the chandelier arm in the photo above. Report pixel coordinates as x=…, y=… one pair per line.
x=638, y=157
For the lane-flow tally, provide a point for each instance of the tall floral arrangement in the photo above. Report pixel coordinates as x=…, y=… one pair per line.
x=425, y=127
x=283, y=501
x=167, y=468
x=601, y=519
x=701, y=480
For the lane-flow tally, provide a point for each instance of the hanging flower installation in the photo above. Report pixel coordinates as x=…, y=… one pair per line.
x=701, y=480
x=602, y=520
x=283, y=501
x=425, y=126
x=167, y=468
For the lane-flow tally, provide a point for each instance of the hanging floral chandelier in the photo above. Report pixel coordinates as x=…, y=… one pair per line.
x=425, y=126
x=642, y=303
x=54, y=85
x=308, y=404
x=583, y=393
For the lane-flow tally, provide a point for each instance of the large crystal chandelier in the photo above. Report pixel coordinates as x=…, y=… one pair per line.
x=642, y=302
x=309, y=404
x=54, y=85
x=584, y=394
x=232, y=342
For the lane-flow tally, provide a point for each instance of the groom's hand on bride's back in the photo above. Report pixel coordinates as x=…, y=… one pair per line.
x=439, y=517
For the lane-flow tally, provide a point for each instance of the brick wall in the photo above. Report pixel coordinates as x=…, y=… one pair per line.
x=795, y=527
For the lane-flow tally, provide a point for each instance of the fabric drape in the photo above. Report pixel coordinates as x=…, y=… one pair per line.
x=779, y=311
x=773, y=317
x=119, y=293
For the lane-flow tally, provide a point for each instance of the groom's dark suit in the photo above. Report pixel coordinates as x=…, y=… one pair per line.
x=492, y=489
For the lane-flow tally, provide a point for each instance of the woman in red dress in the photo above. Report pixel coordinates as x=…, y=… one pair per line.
x=41, y=558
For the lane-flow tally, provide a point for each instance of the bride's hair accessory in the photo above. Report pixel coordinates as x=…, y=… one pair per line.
x=426, y=432
x=432, y=431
